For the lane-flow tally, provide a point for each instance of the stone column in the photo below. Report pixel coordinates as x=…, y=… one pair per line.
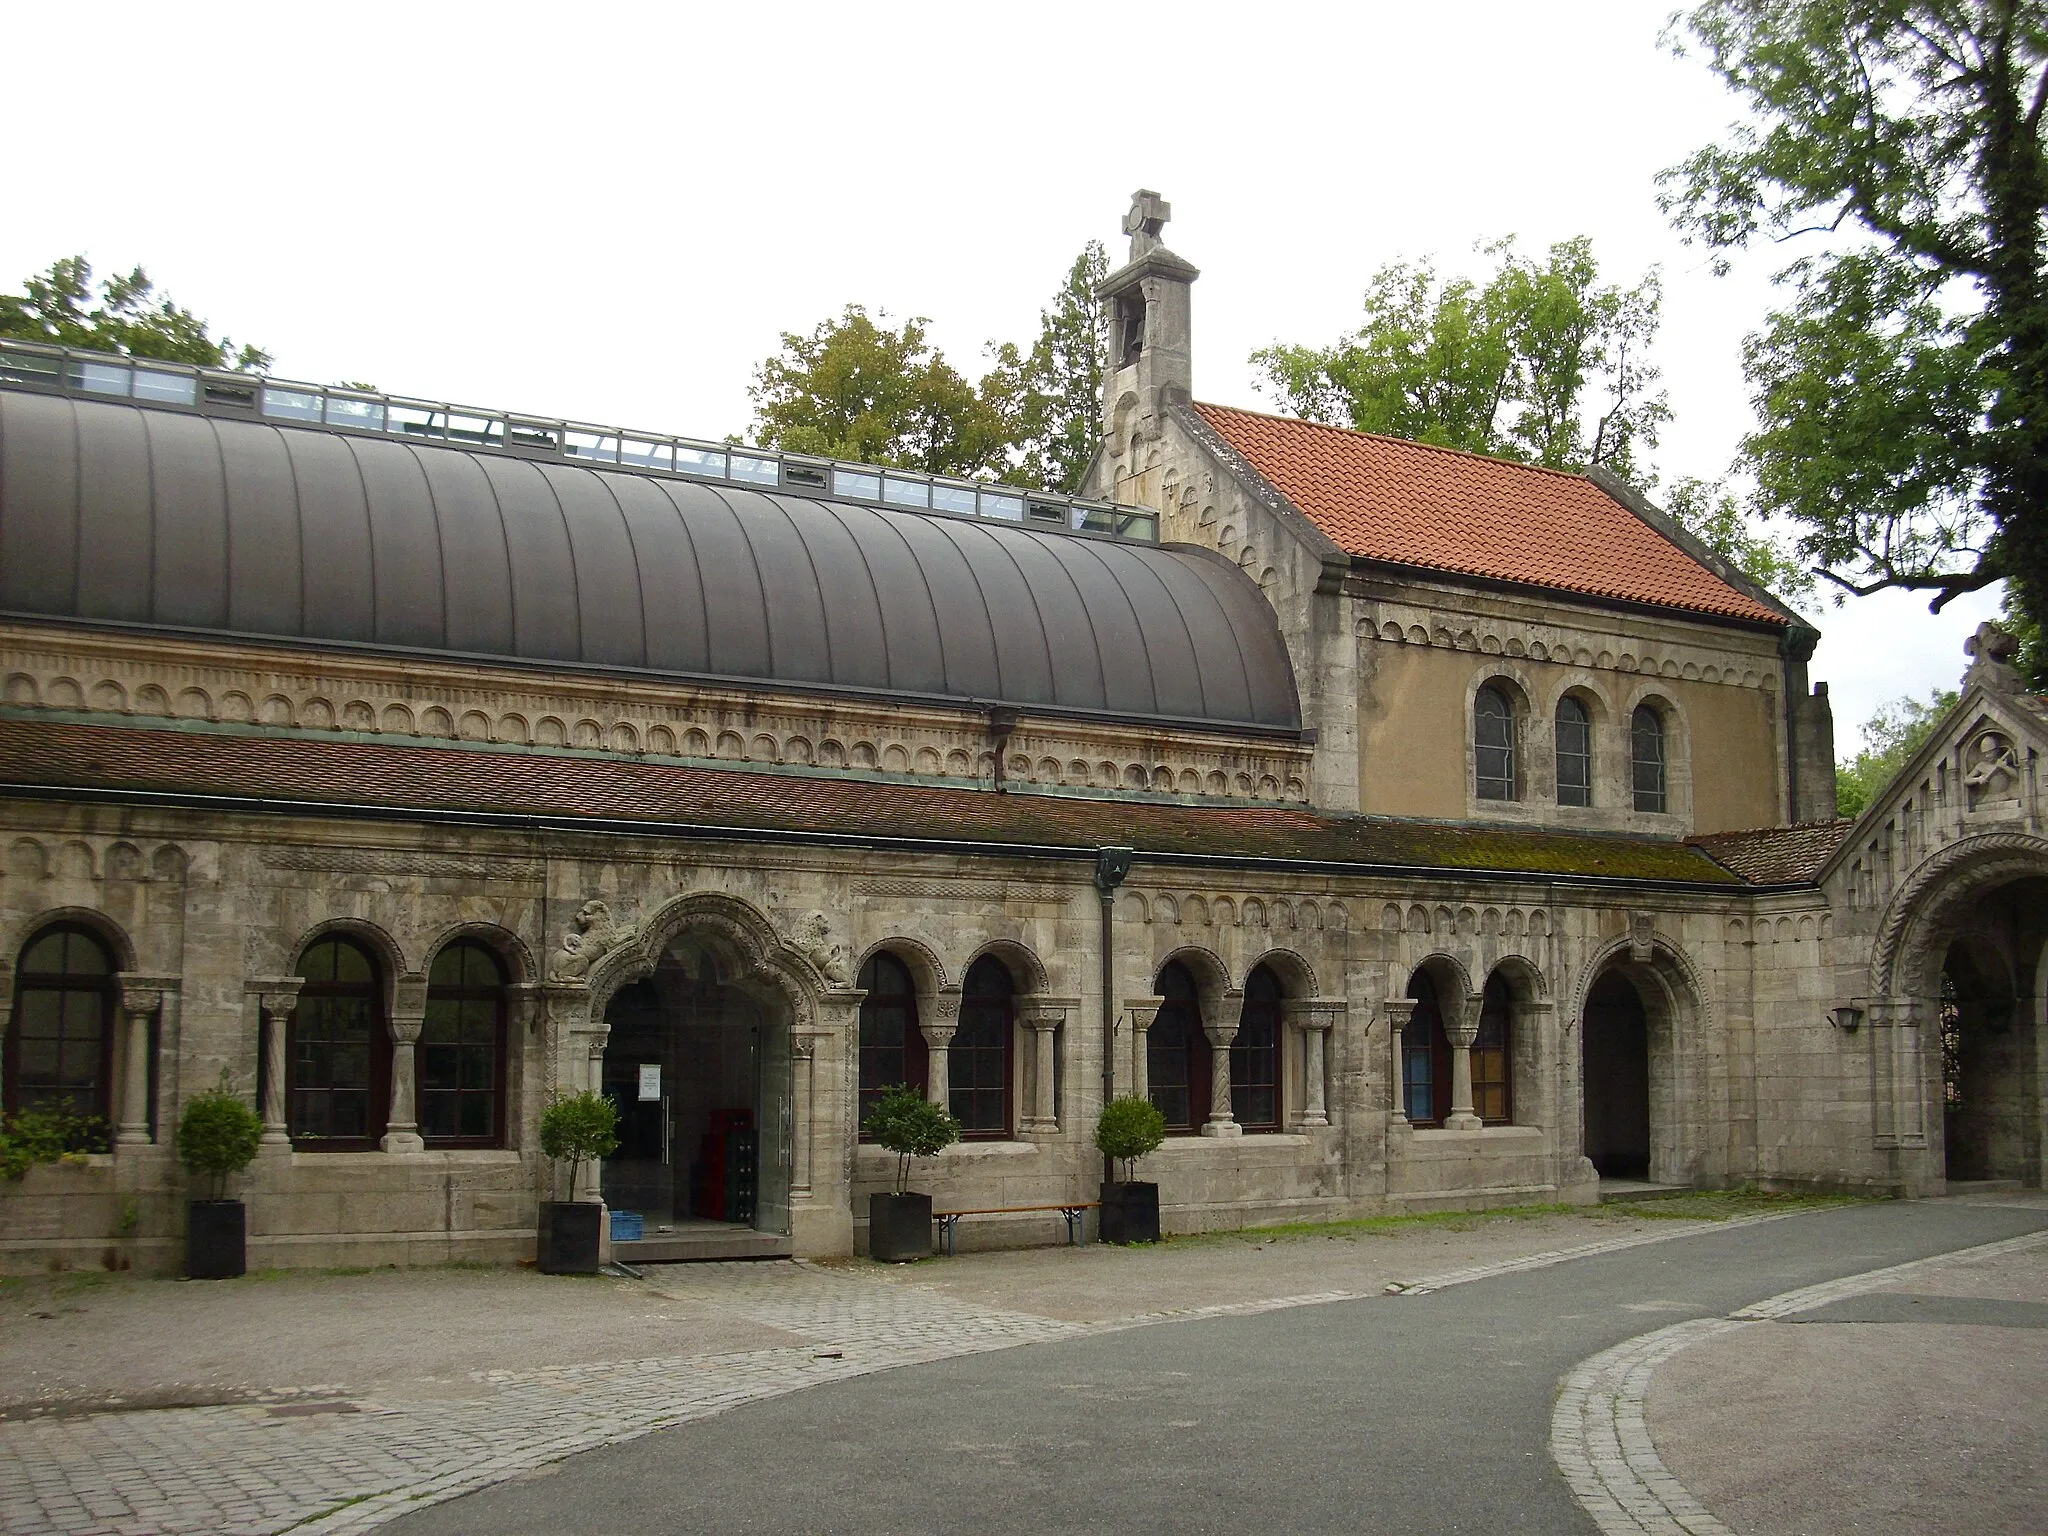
x=1399, y=1011
x=1461, y=1033
x=803, y=1066
x=1143, y=1010
x=1042, y=1020
x=1313, y=1017
x=575, y=1053
x=938, y=1021
x=408, y=1018
x=1221, y=1032
x=1898, y=1095
x=6, y=996
x=274, y=997
x=141, y=997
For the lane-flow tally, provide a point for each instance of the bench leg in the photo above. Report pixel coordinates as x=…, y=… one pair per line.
x=947, y=1224
x=1077, y=1227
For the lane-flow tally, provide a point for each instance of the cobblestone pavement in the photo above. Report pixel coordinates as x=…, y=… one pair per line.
x=329, y=1464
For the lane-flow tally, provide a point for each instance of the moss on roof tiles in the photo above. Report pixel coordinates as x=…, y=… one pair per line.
x=427, y=778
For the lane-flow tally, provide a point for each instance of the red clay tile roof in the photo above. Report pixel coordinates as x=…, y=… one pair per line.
x=1382, y=498
x=1776, y=855
x=674, y=798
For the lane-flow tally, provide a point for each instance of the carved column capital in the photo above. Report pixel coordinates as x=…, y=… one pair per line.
x=1142, y=1011
x=275, y=995
x=144, y=994
x=1461, y=1025
x=1399, y=1010
x=1313, y=1013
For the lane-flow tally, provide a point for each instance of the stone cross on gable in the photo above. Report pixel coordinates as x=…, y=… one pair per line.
x=1148, y=216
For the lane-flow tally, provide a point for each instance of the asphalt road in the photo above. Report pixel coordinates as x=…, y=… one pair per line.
x=1411, y=1414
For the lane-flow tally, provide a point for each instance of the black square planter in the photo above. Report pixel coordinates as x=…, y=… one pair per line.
x=568, y=1239
x=216, y=1239
x=1130, y=1213
x=899, y=1228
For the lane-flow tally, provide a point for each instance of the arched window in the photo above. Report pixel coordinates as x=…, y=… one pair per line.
x=1255, y=1054
x=1646, y=751
x=892, y=1048
x=339, y=1050
x=978, y=1060
x=1493, y=744
x=1425, y=1057
x=1493, y=1096
x=1177, y=1054
x=1574, y=753
x=60, y=1040
x=462, y=1049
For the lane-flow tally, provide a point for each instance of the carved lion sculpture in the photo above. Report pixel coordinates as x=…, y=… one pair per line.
x=813, y=936
x=593, y=936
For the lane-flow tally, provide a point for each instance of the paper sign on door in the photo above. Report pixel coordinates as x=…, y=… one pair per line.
x=650, y=1082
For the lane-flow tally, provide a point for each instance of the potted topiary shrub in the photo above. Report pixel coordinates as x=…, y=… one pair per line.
x=1127, y=1129
x=577, y=1128
x=218, y=1137
x=910, y=1125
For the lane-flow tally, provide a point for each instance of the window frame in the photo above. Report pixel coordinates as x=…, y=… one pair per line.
x=378, y=1088
x=995, y=1009
x=105, y=985
x=497, y=994
x=1184, y=1038
x=1510, y=750
x=1658, y=796
x=1493, y=1064
x=1424, y=1039
x=1264, y=997
x=915, y=1051
x=1582, y=791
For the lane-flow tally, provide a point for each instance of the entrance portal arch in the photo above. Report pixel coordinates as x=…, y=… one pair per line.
x=1640, y=1008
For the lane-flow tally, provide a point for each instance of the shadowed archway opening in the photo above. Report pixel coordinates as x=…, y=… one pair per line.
x=1990, y=1046
x=1616, y=1068
x=699, y=1068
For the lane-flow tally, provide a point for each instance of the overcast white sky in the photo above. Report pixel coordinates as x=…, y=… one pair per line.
x=610, y=211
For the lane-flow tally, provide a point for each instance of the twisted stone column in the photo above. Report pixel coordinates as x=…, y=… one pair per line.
x=803, y=1066
x=1221, y=1032
x=408, y=1018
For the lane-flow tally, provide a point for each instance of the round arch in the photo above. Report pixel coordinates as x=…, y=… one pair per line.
x=502, y=941
x=102, y=927
x=1022, y=962
x=1297, y=976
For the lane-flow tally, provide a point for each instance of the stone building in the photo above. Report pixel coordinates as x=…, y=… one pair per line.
x=1417, y=830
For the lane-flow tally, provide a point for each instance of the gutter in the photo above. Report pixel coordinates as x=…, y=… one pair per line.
x=600, y=826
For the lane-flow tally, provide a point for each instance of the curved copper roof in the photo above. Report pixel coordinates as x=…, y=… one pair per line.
x=128, y=514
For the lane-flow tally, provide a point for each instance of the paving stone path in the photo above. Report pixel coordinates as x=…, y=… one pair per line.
x=327, y=1466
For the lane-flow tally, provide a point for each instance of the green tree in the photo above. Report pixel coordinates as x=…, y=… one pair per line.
x=130, y=318
x=1890, y=736
x=1902, y=391
x=1713, y=514
x=1050, y=399
x=1540, y=362
x=856, y=389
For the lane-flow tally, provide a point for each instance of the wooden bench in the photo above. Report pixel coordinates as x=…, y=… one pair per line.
x=1075, y=1211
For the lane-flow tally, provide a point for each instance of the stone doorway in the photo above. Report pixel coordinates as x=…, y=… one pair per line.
x=1989, y=1039
x=1616, y=1077
x=700, y=1071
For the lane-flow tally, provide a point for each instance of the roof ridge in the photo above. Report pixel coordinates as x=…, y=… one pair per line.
x=1407, y=442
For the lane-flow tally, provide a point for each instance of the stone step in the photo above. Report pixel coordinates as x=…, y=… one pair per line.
x=702, y=1246
x=1614, y=1190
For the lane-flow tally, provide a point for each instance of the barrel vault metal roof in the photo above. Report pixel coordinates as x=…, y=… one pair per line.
x=117, y=513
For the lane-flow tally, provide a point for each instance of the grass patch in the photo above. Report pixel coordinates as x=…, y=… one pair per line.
x=1700, y=1205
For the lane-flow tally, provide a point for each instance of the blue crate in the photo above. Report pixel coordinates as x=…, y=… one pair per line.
x=628, y=1226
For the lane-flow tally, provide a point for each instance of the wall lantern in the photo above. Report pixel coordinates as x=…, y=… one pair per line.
x=1845, y=1018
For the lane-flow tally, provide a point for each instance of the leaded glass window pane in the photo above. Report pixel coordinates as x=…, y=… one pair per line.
x=1177, y=1053
x=1646, y=749
x=1492, y=1065
x=978, y=1061
x=461, y=1050
x=1255, y=1055
x=1574, y=753
x=339, y=1050
x=60, y=1039
x=891, y=1047
x=1493, y=744
x=1425, y=1051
